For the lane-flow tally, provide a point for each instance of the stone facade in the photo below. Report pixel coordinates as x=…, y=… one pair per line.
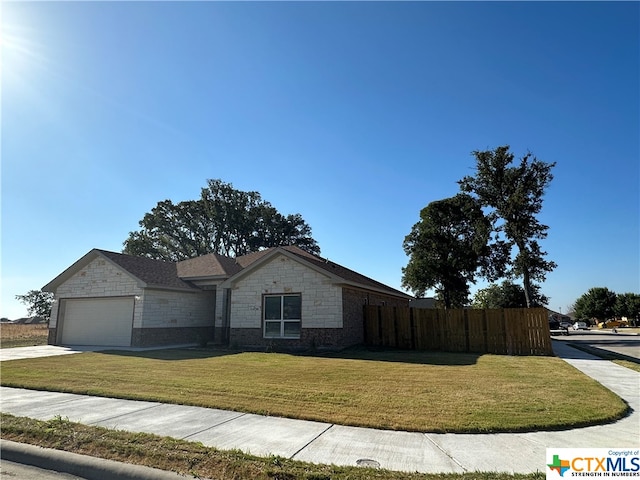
x=161, y=317
x=170, y=309
x=228, y=312
x=332, y=316
x=321, y=305
x=100, y=278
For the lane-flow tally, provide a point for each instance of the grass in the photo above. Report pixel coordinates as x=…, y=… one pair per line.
x=414, y=391
x=195, y=460
x=21, y=335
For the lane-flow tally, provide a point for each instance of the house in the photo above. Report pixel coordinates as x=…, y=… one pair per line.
x=282, y=297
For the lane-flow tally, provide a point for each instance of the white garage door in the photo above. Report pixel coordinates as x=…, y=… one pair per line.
x=98, y=321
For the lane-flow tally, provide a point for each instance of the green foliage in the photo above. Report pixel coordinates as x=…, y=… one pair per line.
x=506, y=295
x=38, y=303
x=598, y=302
x=627, y=305
x=514, y=196
x=446, y=248
x=223, y=220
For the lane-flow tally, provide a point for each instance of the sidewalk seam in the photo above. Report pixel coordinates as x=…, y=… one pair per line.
x=215, y=426
x=311, y=441
x=123, y=414
x=435, y=444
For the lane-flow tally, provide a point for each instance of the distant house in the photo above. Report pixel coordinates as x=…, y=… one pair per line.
x=427, y=302
x=281, y=297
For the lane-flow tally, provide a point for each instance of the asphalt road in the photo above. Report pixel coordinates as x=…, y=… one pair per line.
x=18, y=471
x=621, y=343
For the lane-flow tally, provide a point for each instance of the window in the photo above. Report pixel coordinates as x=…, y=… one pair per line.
x=282, y=316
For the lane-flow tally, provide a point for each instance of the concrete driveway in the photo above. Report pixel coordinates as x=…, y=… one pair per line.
x=20, y=353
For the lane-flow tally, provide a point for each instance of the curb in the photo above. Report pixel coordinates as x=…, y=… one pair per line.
x=90, y=468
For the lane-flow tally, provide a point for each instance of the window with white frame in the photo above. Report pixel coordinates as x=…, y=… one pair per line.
x=282, y=316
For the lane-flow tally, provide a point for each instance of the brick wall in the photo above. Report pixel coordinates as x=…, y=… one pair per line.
x=146, y=337
x=353, y=301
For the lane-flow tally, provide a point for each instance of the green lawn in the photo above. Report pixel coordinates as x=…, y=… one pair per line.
x=416, y=391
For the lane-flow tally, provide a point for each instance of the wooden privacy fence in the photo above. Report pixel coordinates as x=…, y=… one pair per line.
x=508, y=331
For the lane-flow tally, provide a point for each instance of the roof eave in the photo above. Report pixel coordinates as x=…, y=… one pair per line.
x=79, y=264
x=395, y=293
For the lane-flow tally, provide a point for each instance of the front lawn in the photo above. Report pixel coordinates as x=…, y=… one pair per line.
x=415, y=391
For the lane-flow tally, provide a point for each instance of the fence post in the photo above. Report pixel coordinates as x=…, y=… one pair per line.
x=395, y=327
x=465, y=314
x=412, y=328
x=380, y=337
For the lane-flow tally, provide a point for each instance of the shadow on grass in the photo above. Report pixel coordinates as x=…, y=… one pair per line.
x=354, y=353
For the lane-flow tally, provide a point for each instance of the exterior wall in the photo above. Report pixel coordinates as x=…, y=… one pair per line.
x=221, y=330
x=175, y=318
x=170, y=309
x=321, y=306
x=148, y=337
x=161, y=317
x=100, y=278
x=353, y=301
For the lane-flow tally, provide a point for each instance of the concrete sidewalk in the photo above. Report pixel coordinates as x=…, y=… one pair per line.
x=336, y=444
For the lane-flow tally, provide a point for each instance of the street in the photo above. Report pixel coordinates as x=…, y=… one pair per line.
x=620, y=343
x=17, y=471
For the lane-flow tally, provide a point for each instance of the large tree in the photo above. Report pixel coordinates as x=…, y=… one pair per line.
x=38, y=303
x=628, y=305
x=513, y=193
x=447, y=247
x=598, y=302
x=223, y=220
x=505, y=295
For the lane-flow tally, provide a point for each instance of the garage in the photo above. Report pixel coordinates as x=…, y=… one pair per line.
x=97, y=321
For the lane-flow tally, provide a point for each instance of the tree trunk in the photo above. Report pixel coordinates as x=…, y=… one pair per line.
x=526, y=285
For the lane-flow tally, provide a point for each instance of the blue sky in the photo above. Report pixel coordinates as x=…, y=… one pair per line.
x=355, y=115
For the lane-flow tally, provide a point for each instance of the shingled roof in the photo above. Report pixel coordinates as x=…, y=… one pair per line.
x=211, y=265
x=155, y=273
x=345, y=273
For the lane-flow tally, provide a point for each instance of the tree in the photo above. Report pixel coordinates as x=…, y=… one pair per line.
x=598, y=302
x=628, y=305
x=223, y=220
x=446, y=248
x=514, y=196
x=38, y=303
x=505, y=295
